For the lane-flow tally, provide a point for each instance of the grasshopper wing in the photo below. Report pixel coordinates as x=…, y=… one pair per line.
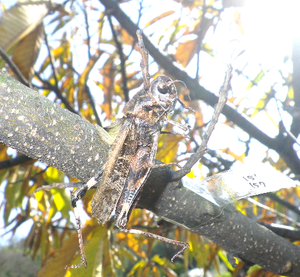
x=115, y=174
x=140, y=168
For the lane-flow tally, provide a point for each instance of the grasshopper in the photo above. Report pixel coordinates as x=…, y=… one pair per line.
x=132, y=155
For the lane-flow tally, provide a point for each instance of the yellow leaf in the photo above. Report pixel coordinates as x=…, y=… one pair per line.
x=165, y=14
x=257, y=78
x=291, y=92
x=297, y=190
x=168, y=147
x=58, y=200
x=191, y=174
x=237, y=19
x=159, y=260
x=223, y=257
x=138, y=265
x=52, y=213
x=53, y=175
x=38, y=195
x=235, y=156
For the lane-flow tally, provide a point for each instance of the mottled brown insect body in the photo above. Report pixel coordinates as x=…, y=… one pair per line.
x=132, y=154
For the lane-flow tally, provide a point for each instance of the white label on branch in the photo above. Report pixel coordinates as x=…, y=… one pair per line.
x=242, y=182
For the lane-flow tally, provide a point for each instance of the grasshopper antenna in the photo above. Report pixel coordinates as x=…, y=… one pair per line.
x=188, y=95
x=145, y=59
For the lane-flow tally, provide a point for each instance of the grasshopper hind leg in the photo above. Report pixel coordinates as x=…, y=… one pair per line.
x=182, y=244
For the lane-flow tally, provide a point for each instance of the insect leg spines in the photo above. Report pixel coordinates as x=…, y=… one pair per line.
x=80, y=241
x=75, y=196
x=182, y=244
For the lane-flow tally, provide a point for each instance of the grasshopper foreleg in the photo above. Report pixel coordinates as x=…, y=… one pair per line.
x=80, y=239
x=75, y=196
x=80, y=192
x=183, y=127
x=175, y=133
x=59, y=186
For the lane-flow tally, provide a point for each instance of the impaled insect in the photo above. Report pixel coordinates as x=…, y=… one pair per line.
x=132, y=155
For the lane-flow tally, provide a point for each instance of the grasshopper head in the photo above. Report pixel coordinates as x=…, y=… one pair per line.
x=158, y=100
x=164, y=91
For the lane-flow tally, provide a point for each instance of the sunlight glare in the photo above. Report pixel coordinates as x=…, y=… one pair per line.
x=269, y=27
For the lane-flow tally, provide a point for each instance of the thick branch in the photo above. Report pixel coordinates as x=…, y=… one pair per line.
x=234, y=232
x=45, y=131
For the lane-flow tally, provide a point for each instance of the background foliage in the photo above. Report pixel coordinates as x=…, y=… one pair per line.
x=76, y=54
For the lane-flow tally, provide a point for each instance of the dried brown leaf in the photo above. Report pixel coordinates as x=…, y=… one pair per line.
x=20, y=20
x=108, y=74
x=185, y=52
x=55, y=266
x=26, y=53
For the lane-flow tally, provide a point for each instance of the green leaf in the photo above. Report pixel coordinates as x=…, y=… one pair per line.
x=255, y=81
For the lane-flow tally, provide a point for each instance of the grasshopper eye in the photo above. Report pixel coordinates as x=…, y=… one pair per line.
x=163, y=88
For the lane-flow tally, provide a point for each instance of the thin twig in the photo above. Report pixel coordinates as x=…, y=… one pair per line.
x=55, y=87
x=283, y=202
x=92, y=103
x=284, y=231
x=14, y=68
x=57, y=92
x=31, y=177
x=273, y=211
x=51, y=62
x=203, y=147
x=200, y=38
x=87, y=30
x=13, y=162
x=286, y=130
x=122, y=59
x=137, y=24
x=60, y=186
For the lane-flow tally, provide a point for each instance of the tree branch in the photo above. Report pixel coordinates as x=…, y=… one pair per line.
x=14, y=67
x=13, y=162
x=45, y=131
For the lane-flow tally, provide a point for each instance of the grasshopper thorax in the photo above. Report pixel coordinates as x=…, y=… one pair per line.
x=151, y=104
